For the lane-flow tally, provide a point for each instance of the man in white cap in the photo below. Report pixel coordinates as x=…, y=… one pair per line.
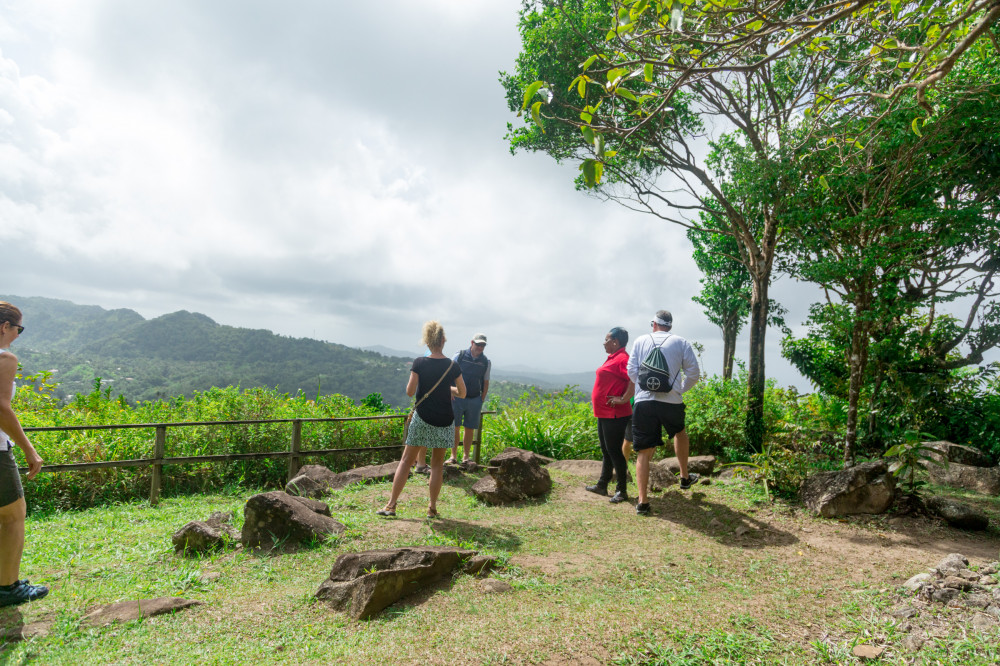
x=468, y=410
x=658, y=402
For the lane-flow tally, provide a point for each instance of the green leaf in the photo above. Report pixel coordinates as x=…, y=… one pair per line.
x=537, y=116
x=599, y=145
x=755, y=26
x=589, y=172
x=588, y=135
x=581, y=87
x=586, y=117
x=822, y=181
x=626, y=93
x=588, y=62
x=857, y=144
x=915, y=127
x=647, y=72
x=530, y=92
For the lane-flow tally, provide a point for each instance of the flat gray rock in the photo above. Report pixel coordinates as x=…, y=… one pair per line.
x=985, y=480
x=958, y=514
x=703, y=465
x=124, y=611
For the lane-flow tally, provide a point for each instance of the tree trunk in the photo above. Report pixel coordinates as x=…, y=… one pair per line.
x=728, y=350
x=856, y=363
x=753, y=431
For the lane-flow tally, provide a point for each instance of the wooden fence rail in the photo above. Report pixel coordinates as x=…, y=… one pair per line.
x=159, y=459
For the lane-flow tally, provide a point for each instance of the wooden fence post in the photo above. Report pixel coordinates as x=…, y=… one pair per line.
x=159, y=446
x=293, y=459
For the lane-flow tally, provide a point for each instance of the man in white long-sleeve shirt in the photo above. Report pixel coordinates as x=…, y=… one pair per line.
x=655, y=410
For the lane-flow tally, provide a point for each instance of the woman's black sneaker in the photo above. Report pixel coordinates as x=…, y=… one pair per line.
x=20, y=592
x=691, y=479
x=643, y=509
x=597, y=489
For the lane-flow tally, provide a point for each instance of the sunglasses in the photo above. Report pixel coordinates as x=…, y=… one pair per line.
x=479, y=344
x=20, y=329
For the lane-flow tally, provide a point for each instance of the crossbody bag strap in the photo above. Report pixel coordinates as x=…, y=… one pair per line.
x=450, y=363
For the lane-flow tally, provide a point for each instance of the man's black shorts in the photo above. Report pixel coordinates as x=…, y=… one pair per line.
x=648, y=419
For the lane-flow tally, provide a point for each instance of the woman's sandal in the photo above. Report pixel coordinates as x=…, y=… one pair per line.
x=451, y=461
x=388, y=513
x=432, y=514
x=422, y=469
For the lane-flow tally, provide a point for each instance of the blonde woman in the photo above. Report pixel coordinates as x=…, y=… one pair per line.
x=13, y=510
x=434, y=379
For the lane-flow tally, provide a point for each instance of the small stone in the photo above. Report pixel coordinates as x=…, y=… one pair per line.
x=983, y=622
x=715, y=524
x=956, y=582
x=944, y=595
x=969, y=575
x=491, y=586
x=868, y=651
x=977, y=601
x=915, y=582
x=742, y=529
x=210, y=576
x=914, y=641
x=994, y=611
x=904, y=612
x=995, y=593
x=952, y=564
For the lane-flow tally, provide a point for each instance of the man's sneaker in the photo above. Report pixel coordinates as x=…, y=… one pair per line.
x=619, y=497
x=597, y=489
x=20, y=592
x=691, y=479
x=643, y=509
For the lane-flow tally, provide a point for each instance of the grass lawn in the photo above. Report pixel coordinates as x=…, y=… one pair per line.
x=717, y=575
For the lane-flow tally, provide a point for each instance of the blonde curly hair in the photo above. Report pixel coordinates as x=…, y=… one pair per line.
x=433, y=336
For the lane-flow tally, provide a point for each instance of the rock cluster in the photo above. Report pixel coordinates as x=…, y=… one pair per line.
x=969, y=598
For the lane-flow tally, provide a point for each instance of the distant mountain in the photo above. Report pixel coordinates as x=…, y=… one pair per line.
x=182, y=352
x=394, y=353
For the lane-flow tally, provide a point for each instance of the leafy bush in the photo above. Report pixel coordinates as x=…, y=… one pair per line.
x=559, y=425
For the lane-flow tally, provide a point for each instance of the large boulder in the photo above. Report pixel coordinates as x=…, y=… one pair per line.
x=316, y=481
x=985, y=480
x=279, y=518
x=362, y=584
x=517, y=474
x=958, y=514
x=958, y=453
x=703, y=465
x=864, y=488
x=588, y=469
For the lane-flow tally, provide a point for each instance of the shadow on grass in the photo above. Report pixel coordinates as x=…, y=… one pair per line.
x=718, y=521
x=479, y=535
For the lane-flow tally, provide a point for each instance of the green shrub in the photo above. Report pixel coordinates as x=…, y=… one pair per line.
x=559, y=425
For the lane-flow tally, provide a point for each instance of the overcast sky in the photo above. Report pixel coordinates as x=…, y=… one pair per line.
x=320, y=169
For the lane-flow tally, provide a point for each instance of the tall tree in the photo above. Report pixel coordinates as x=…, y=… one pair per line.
x=900, y=227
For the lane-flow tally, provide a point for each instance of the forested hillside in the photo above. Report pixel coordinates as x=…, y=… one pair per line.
x=182, y=352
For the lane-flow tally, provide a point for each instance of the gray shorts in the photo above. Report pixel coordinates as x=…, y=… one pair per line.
x=10, y=479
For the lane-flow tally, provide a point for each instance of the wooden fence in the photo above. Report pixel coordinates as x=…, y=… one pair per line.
x=295, y=453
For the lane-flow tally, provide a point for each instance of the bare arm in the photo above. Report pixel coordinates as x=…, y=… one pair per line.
x=486, y=388
x=411, y=386
x=8, y=419
x=459, y=387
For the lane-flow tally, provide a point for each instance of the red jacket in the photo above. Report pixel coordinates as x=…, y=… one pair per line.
x=612, y=379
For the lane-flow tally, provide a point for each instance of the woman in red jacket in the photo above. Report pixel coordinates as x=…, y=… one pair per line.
x=610, y=399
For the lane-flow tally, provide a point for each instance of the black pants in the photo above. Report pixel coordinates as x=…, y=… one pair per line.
x=612, y=433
